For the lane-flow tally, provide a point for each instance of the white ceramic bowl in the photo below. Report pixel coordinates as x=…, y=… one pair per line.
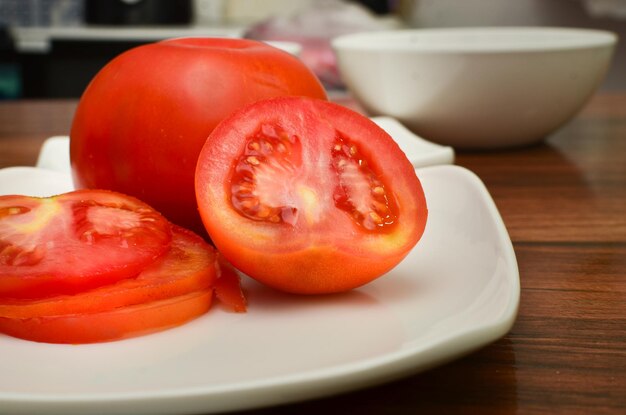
x=476, y=87
x=291, y=47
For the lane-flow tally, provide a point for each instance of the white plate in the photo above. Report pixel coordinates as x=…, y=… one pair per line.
x=419, y=151
x=33, y=181
x=55, y=154
x=458, y=290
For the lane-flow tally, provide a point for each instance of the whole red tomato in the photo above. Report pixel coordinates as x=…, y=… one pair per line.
x=143, y=119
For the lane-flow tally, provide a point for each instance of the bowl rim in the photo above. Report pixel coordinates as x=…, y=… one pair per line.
x=512, y=39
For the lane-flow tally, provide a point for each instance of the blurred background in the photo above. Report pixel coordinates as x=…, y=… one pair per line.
x=52, y=48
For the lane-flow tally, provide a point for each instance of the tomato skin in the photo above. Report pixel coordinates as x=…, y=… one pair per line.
x=117, y=324
x=144, y=118
x=325, y=251
x=189, y=265
x=75, y=241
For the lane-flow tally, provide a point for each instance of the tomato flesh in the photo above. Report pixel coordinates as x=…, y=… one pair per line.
x=189, y=265
x=308, y=196
x=75, y=241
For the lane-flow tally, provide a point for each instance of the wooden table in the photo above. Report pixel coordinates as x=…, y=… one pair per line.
x=564, y=204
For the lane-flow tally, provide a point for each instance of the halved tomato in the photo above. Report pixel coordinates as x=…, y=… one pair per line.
x=189, y=265
x=115, y=324
x=308, y=196
x=76, y=241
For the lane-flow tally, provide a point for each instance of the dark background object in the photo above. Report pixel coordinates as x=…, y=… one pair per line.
x=10, y=76
x=67, y=70
x=377, y=6
x=138, y=12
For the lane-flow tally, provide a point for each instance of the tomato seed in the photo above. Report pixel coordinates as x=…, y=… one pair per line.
x=249, y=204
x=13, y=210
x=376, y=218
x=253, y=145
x=253, y=160
x=263, y=212
x=378, y=190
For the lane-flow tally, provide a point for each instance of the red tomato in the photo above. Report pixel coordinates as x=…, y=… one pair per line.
x=189, y=265
x=308, y=196
x=76, y=241
x=142, y=121
x=115, y=324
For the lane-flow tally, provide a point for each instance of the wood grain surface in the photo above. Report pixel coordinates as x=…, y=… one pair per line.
x=564, y=205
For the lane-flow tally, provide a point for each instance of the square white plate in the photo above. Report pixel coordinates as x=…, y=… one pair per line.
x=457, y=291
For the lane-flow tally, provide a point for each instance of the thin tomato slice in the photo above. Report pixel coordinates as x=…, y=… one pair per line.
x=228, y=287
x=116, y=324
x=189, y=265
x=76, y=241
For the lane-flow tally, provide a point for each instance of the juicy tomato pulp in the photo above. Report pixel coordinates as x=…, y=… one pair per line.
x=308, y=196
x=139, y=131
x=75, y=241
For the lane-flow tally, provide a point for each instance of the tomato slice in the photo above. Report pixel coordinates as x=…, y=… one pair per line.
x=76, y=241
x=116, y=324
x=308, y=196
x=189, y=265
x=228, y=287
